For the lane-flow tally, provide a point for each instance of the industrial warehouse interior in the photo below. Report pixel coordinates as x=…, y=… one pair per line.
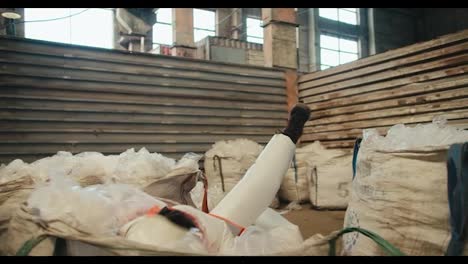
x=233, y=131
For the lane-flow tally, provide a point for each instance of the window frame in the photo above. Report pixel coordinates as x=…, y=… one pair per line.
x=153, y=43
x=204, y=29
x=247, y=36
x=344, y=30
x=337, y=50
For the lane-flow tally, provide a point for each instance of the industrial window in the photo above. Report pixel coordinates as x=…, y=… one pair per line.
x=254, y=30
x=204, y=24
x=336, y=50
x=341, y=35
x=80, y=26
x=162, y=29
x=345, y=15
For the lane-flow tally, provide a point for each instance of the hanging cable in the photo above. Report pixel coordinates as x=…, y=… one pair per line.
x=46, y=20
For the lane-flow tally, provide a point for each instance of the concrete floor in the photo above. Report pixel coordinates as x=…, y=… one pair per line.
x=311, y=221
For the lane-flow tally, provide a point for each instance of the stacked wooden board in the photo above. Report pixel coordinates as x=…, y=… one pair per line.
x=409, y=85
x=59, y=97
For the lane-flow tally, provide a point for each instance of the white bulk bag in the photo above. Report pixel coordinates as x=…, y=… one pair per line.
x=400, y=190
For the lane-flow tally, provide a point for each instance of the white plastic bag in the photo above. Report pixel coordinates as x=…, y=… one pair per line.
x=98, y=209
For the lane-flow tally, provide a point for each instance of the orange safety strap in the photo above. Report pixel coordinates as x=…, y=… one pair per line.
x=238, y=229
x=153, y=211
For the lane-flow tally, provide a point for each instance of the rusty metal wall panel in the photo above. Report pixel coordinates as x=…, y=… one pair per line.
x=59, y=97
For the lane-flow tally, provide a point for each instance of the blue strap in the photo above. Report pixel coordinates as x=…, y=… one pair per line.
x=357, y=145
x=457, y=184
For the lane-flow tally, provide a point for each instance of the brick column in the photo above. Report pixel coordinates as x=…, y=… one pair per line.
x=279, y=43
x=182, y=28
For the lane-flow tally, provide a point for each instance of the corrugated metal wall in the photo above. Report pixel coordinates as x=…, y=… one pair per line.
x=409, y=85
x=59, y=97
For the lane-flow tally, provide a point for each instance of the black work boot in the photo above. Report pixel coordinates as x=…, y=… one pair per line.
x=299, y=115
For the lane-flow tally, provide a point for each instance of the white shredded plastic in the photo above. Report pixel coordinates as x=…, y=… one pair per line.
x=400, y=137
x=98, y=209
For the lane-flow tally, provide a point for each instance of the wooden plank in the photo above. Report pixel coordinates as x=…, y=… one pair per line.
x=412, y=89
x=446, y=72
x=126, y=69
x=400, y=72
x=131, y=128
x=427, y=117
x=391, y=64
x=355, y=133
x=103, y=138
x=196, y=94
x=73, y=116
x=135, y=58
x=67, y=74
x=404, y=101
x=338, y=144
x=397, y=111
x=340, y=135
x=98, y=97
x=56, y=105
x=385, y=56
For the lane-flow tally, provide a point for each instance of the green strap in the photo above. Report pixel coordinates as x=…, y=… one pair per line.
x=29, y=245
x=384, y=245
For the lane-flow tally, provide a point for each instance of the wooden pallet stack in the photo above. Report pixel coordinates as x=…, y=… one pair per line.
x=409, y=85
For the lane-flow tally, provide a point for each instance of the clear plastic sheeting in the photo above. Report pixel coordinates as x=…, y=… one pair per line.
x=130, y=167
x=141, y=168
x=400, y=137
x=98, y=209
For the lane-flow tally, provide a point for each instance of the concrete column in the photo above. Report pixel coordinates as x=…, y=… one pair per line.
x=303, y=39
x=370, y=16
x=314, y=45
x=224, y=22
x=238, y=24
x=279, y=39
x=182, y=28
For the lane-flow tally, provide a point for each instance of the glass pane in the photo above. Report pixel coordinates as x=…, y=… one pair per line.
x=350, y=9
x=200, y=34
x=329, y=57
x=328, y=42
x=254, y=28
x=324, y=67
x=330, y=13
x=347, y=57
x=255, y=40
x=162, y=34
x=164, y=15
x=347, y=17
x=56, y=30
x=93, y=27
x=348, y=45
x=204, y=19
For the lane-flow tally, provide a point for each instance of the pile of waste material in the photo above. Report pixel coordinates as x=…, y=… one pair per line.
x=100, y=205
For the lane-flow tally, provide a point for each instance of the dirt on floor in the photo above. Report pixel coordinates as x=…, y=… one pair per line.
x=312, y=221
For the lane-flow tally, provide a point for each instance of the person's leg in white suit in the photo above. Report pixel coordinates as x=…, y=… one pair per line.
x=256, y=190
